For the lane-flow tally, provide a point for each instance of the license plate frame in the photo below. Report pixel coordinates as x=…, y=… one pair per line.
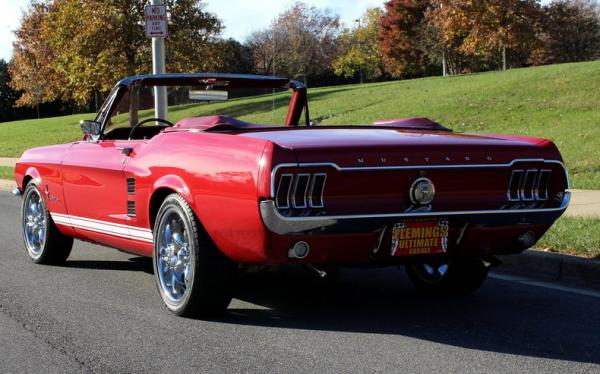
x=420, y=237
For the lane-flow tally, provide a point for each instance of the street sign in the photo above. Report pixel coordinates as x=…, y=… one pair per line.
x=156, y=21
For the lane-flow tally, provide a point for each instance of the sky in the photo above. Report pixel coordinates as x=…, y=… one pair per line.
x=240, y=17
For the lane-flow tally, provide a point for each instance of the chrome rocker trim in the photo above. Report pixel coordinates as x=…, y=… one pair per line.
x=282, y=225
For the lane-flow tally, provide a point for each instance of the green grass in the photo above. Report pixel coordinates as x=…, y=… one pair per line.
x=560, y=102
x=7, y=172
x=576, y=236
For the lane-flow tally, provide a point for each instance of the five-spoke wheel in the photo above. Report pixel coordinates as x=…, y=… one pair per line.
x=45, y=244
x=193, y=277
x=175, y=269
x=35, y=225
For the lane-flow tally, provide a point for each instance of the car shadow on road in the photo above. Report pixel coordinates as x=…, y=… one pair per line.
x=504, y=317
x=134, y=264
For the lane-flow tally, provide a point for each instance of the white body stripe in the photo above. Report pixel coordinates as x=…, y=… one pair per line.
x=103, y=227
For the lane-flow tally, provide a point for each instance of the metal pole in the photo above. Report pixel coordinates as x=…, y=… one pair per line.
x=444, y=66
x=158, y=67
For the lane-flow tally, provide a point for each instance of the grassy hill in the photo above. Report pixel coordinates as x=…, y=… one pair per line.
x=560, y=102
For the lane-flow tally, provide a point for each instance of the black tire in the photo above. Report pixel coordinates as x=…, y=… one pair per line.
x=210, y=288
x=55, y=248
x=462, y=276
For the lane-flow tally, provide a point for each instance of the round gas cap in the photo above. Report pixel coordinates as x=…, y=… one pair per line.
x=422, y=191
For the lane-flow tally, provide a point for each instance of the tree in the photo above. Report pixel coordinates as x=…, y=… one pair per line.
x=301, y=43
x=88, y=46
x=400, y=27
x=267, y=46
x=309, y=38
x=31, y=69
x=489, y=27
x=8, y=96
x=234, y=57
x=359, y=48
x=570, y=32
x=443, y=35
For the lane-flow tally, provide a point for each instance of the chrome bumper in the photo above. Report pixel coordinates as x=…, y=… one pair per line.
x=282, y=225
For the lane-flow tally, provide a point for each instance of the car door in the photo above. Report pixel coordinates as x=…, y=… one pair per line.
x=95, y=188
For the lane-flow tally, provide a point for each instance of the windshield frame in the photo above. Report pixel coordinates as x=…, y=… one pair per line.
x=298, y=101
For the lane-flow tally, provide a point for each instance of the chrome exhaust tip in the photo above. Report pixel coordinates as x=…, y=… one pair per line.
x=299, y=251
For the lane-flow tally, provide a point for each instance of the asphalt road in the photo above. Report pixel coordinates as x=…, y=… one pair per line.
x=101, y=312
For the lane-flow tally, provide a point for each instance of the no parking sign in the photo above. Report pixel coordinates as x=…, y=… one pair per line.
x=156, y=21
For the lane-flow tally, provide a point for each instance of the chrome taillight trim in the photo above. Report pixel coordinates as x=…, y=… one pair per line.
x=287, y=193
x=299, y=178
x=312, y=194
x=515, y=177
x=527, y=193
x=532, y=185
x=300, y=192
x=543, y=189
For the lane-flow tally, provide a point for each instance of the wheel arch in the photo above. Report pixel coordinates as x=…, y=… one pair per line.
x=164, y=187
x=31, y=174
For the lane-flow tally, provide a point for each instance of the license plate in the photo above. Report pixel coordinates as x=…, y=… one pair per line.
x=410, y=238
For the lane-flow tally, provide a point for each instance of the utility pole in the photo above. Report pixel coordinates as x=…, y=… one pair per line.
x=158, y=67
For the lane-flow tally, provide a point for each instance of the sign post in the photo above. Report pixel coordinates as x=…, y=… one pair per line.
x=156, y=28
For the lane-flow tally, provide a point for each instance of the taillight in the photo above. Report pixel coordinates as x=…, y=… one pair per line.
x=282, y=198
x=529, y=185
x=300, y=197
x=317, y=188
x=300, y=191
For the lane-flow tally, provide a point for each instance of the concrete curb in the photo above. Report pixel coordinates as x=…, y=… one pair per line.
x=569, y=270
x=7, y=185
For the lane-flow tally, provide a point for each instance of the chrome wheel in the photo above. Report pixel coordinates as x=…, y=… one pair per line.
x=35, y=223
x=173, y=260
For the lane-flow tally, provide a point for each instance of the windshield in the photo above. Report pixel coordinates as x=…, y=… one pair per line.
x=258, y=105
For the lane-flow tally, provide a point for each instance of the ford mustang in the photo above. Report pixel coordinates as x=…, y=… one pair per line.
x=208, y=195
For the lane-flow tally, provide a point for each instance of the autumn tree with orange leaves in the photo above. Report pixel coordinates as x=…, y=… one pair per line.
x=399, y=32
x=487, y=28
x=69, y=49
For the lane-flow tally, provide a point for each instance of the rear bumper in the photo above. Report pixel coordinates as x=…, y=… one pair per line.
x=282, y=225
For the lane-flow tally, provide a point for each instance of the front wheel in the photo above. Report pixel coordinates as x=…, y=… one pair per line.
x=458, y=275
x=45, y=244
x=194, y=278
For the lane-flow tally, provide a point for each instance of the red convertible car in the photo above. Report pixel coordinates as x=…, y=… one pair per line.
x=211, y=194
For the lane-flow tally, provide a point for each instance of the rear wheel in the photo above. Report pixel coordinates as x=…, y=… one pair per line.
x=194, y=278
x=45, y=244
x=458, y=275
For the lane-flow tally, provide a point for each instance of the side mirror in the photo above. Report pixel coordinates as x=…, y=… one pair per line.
x=90, y=127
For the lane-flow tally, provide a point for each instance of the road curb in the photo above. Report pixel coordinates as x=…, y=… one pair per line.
x=7, y=185
x=569, y=270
